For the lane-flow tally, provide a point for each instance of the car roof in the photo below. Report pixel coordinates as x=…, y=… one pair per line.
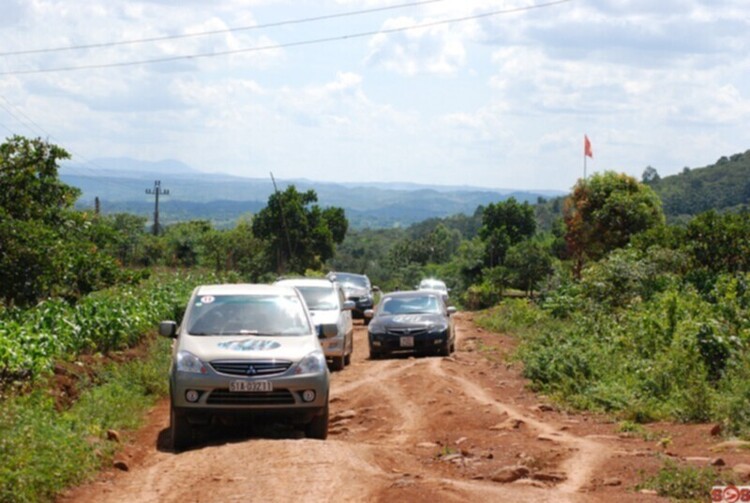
x=244, y=289
x=334, y=274
x=431, y=281
x=325, y=283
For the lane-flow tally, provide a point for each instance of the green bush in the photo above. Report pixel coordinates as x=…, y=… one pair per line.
x=45, y=450
x=112, y=319
x=678, y=355
x=685, y=482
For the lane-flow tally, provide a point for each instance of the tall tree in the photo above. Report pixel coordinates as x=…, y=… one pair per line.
x=300, y=235
x=505, y=224
x=605, y=211
x=31, y=189
x=46, y=248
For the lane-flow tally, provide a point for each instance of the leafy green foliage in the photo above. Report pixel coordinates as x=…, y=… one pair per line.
x=30, y=340
x=505, y=224
x=605, y=211
x=46, y=248
x=685, y=482
x=665, y=352
x=28, y=175
x=300, y=235
x=530, y=262
x=45, y=450
x=722, y=186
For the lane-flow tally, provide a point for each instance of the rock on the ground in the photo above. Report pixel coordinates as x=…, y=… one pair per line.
x=121, y=465
x=508, y=424
x=743, y=470
x=509, y=474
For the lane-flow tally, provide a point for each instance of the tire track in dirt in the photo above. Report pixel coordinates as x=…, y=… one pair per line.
x=586, y=456
x=378, y=369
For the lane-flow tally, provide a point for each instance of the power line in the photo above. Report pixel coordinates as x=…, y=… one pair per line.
x=37, y=129
x=218, y=32
x=286, y=45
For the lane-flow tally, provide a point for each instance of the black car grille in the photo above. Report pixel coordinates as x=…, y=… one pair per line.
x=251, y=367
x=407, y=331
x=226, y=397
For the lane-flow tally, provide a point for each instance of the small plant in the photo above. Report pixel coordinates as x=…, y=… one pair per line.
x=685, y=482
x=445, y=450
x=664, y=442
x=631, y=429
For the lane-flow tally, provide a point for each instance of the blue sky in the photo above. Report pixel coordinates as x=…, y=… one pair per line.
x=501, y=101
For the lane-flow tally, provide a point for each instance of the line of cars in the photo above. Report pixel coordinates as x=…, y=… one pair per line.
x=244, y=352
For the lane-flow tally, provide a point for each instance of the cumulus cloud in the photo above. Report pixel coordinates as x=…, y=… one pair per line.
x=504, y=100
x=434, y=49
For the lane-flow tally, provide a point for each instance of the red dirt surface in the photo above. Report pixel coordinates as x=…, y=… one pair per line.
x=456, y=429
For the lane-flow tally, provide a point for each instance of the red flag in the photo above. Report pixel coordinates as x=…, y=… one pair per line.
x=587, y=147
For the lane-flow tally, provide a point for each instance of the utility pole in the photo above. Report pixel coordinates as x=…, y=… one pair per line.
x=157, y=191
x=280, y=268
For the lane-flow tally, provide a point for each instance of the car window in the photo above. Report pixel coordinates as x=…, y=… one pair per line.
x=247, y=315
x=319, y=298
x=410, y=305
x=352, y=279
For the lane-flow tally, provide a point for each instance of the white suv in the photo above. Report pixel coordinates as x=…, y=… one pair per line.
x=244, y=352
x=331, y=313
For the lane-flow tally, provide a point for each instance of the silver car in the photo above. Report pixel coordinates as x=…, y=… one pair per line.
x=331, y=314
x=245, y=352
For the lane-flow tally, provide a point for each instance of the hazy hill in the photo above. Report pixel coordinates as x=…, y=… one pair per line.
x=724, y=185
x=121, y=187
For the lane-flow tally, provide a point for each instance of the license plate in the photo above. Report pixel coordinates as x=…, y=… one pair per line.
x=251, y=386
x=407, y=341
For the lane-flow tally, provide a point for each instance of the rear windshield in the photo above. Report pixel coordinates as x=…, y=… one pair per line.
x=247, y=315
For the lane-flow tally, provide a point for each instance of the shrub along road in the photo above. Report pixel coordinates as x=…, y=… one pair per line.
x=462, y=428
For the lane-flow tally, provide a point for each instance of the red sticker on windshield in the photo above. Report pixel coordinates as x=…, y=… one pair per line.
x=207, y=299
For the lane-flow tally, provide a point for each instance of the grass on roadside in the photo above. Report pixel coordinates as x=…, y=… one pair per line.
x=44, y=451
x=686, y=483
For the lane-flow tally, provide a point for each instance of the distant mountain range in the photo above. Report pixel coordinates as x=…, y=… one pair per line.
x=121, y=184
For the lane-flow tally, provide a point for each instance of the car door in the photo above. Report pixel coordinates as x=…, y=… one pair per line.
x=346, y=320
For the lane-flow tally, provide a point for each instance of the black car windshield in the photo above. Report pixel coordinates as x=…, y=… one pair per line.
x=319, y=298
x=417, y=304
x=352, y=279
x=247, y=315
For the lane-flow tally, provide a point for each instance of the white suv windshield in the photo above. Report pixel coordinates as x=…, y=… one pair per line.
x=319, y=298
x=247, y=315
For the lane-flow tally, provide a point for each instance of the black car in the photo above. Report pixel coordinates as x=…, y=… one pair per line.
x=357, y=287
x=413, y=322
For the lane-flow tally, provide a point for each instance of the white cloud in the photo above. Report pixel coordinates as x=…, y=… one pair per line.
x=501, y=101
x=434, y=49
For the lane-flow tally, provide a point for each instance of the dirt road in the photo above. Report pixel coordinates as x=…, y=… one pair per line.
x=463, y=428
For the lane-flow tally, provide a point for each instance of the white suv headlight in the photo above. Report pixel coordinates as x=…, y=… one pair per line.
x=314, y=363
x=188, y=362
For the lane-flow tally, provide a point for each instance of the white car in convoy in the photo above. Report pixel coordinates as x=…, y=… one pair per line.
x=332, y=315
x=435, y=285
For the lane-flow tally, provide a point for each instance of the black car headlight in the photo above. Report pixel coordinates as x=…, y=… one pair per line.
x=376, y=329
x=438, y=328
